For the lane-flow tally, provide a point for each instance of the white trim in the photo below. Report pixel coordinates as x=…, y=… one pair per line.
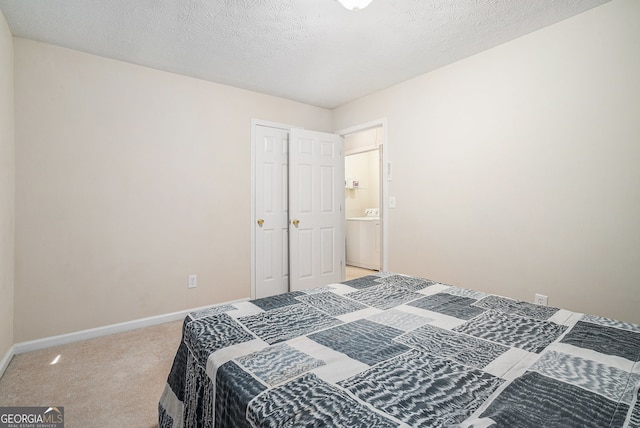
x=260, y=122
x=4, y=363
x=363, y=126
x=63, y=339
x=385, y=181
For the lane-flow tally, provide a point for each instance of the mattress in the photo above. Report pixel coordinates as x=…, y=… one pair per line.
x=391, y=350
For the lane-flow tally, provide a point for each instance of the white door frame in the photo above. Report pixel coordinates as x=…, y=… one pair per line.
x=385, y=177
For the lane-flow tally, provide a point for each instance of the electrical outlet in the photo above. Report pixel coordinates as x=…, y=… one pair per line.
x=193, y=281
x=540, y=299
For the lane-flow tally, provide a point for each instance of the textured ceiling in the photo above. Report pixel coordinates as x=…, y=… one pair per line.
x=313, y=51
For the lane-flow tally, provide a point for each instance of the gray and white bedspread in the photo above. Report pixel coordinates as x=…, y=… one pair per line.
x=390, y=350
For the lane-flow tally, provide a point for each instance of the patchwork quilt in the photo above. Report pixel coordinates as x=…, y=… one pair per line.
x=391, y=350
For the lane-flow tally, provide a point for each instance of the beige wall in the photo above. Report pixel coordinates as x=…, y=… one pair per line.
x=7, y=176
x=129, y=179
x=517, y=171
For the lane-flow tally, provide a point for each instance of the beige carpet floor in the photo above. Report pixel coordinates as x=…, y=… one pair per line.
x=110, y=381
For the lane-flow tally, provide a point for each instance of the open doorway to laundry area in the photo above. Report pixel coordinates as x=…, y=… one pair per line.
x=363, y=201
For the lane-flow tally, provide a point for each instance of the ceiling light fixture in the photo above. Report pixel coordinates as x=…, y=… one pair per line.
x=355, y=5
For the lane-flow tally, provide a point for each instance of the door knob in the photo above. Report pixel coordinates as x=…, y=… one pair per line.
x=260, y=222
x=295, y=222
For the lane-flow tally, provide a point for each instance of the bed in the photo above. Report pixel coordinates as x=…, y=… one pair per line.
x=392, y=350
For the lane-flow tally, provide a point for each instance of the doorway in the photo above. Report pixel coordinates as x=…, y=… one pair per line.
x=370, y=137
x=363, y=171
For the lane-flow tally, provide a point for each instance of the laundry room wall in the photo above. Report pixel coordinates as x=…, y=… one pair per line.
x=363, y=168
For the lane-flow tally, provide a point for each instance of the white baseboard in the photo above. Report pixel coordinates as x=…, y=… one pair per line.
x=48, y=342
x=4, y=363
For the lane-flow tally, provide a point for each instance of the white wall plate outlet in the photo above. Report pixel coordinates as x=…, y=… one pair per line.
x=540, y=299
x=193, y=281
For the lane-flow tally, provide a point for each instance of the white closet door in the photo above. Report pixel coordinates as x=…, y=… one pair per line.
x=271, y=211
x=316, y=214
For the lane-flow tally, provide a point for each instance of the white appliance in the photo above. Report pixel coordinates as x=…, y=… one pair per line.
x=363, y=240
